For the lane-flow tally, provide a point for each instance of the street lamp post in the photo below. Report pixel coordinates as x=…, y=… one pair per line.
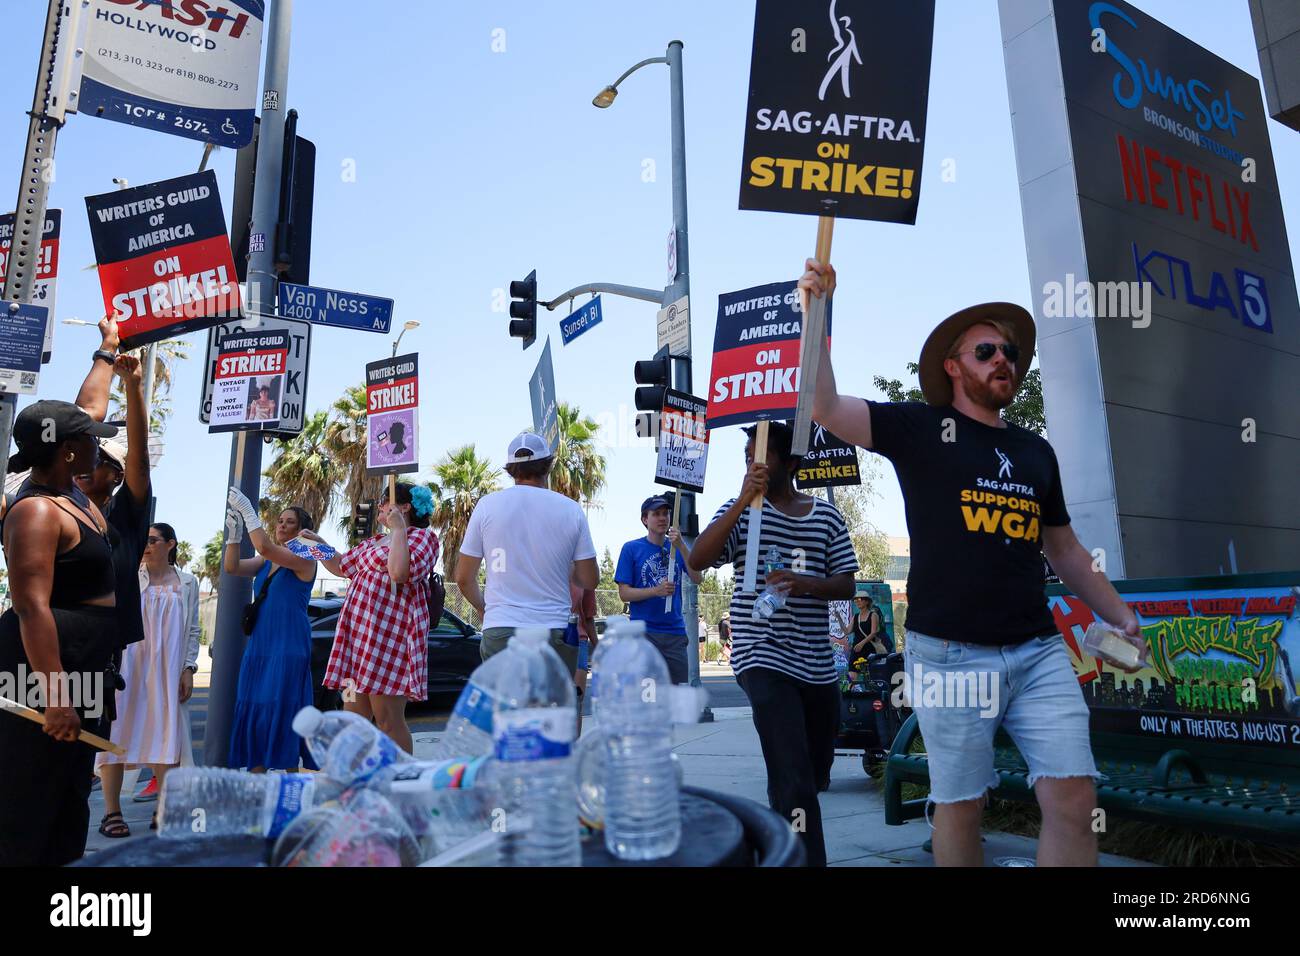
x=679, y=285
x=412, y=324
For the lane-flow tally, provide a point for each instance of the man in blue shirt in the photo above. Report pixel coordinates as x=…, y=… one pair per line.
x=646, y=579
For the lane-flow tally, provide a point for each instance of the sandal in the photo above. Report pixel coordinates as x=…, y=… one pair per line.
x=114, y=829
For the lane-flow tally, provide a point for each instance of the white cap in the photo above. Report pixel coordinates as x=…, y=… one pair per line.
x=113, y=450
x=307, y=721
x=527, y=446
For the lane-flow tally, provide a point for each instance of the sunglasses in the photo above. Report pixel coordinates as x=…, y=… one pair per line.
x=986, y=350
x=154, y=539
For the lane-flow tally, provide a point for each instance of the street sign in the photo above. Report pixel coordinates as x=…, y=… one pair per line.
x=541, y=392
x=47, y=267
x=393, y=415
x=188, y=67
x=22, y=335
x=574, y=324
x=293, y=400
x=348, y=310
x=673, y=327
x=248, y=380
x=164, y=259
x=683, y=442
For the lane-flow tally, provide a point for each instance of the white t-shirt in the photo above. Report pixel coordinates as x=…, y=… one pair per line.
x=529, y=538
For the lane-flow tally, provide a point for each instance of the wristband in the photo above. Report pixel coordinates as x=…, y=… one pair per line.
x=106, y=355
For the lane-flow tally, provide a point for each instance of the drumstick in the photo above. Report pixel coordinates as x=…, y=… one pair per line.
x=37, y=717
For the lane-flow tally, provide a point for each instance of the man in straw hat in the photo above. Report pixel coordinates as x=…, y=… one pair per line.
x=984, y=503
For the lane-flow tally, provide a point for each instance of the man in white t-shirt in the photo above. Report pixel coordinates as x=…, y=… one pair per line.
x=535, y=541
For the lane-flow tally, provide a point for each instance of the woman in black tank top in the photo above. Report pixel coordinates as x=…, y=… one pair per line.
x=56, y=544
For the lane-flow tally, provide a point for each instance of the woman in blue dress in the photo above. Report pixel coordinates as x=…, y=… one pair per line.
x=275, y=675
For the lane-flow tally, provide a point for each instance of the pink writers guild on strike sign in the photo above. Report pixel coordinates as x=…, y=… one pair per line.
x=393, y=415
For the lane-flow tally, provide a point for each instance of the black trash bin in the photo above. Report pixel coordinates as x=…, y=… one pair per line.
x=769, y=838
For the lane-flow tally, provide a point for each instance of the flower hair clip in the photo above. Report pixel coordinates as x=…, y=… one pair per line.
x=422, y=501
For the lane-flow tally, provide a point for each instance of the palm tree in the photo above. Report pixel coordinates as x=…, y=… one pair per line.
x=166, y=354
x=345, y=436
x=305, y=472
x=460, y=480
x=579, y=473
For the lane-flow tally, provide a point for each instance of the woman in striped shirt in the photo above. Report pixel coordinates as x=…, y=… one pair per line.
x=784, y=663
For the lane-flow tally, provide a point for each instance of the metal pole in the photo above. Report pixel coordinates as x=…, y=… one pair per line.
x=683, y=374
x=32, y=202
x=235, y=592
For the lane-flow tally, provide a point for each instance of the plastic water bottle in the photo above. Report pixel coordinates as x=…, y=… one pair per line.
x=534, y=724
x=213, y=801
x=642, y=814
x=348, y=748
x=615, y=626
x=363, y=829
x=456, y=797
x=469, y=730
x=773, y=598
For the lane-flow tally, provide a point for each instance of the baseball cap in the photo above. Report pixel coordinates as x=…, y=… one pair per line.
x=114, y=451
x=31, y=429
x=527, y=446
x=654, y=503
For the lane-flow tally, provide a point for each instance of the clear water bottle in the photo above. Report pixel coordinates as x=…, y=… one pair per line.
x=615, y=626
x=642, y=814
x=348, y=748
x=456, y=797
x=469, y=730
x=773, y=598
x=364, y=829
x=213, y=801
x=534, y=724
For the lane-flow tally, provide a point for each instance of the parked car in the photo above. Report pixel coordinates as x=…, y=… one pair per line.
x=453, y=651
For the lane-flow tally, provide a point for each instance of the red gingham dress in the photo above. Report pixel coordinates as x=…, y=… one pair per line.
x=381, y=644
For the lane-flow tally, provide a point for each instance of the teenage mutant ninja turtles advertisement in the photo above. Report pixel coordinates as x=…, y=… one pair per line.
x=1224, y=666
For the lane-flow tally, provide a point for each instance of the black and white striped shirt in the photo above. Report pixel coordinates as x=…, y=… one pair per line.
x=796, y=640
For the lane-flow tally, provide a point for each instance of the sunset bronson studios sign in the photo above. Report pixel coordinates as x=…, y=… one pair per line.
x=1168, y=326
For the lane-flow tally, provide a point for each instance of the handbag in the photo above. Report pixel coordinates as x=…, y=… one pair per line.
x=248, y=620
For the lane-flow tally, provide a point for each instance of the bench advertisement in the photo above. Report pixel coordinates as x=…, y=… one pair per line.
x=1225, y=666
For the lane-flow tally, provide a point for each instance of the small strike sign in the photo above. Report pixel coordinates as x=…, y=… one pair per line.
x=683, y=441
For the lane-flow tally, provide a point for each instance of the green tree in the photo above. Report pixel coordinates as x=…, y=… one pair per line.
x=579, y=472
x=210, y=568
x=345, y=437
x=870, y=544
x=1025, y=410
x=460, y=480
x=305, y=472
x=184, y=553
x=607, y=582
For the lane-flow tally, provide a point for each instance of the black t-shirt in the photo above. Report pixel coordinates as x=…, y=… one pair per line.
x=977, y=499
x=128, y=529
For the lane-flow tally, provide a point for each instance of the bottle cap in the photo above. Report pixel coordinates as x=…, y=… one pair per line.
x=307, y=721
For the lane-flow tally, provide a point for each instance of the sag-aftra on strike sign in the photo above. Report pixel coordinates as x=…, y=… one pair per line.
x=836, y=116
x=755, y=374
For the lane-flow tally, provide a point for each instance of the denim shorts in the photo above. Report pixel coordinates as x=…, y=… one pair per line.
x=963, y=692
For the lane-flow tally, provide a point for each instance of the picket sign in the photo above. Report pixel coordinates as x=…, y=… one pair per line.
x=812, y=334
x=672, y=557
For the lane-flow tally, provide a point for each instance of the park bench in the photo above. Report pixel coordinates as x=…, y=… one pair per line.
x=1249, y=791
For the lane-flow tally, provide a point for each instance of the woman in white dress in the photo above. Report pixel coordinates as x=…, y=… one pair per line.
x=152, y=720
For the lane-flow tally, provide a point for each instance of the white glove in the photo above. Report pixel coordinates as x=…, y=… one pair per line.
x=234, y=527
x=239, y=501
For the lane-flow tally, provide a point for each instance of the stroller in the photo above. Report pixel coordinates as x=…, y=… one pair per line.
x=869, y=717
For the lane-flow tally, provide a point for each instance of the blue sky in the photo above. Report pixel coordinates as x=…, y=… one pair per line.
x=473, y=167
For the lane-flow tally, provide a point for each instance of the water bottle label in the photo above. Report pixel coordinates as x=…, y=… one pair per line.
x=475, y=706
x=458, y=773
x=296, y=791
x=366, y=755
x=535, y=733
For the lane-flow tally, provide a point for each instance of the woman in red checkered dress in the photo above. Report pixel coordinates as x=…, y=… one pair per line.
x=380, y=650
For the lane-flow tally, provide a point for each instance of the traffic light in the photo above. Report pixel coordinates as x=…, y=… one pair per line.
x=297, y=189
x=523, y=311
x=363, y=521
x=656, y=375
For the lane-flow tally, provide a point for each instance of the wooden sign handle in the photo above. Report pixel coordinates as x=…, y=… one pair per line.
x=672, y=558
x=811, y=337
x=240, y=440
x=752, y=556
x=36, y=717
x=392, y=503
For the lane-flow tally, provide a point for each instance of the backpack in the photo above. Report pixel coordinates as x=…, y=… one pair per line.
x=437, y=599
